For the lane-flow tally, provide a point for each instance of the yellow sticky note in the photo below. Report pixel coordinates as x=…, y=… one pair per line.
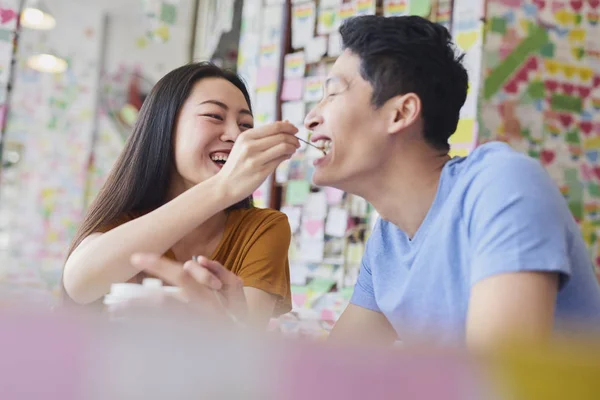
x=464, y=132
x=466, y=40
x=458, y=152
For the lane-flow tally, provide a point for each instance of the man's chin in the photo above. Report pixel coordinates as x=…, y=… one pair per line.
x=320, y=178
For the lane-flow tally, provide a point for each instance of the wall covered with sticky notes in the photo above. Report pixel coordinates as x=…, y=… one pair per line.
x=541, y=94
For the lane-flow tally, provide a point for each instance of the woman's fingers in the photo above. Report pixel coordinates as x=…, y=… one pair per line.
x=171, y=271
x=272, y=129
x=225, y=276
x=201, y=280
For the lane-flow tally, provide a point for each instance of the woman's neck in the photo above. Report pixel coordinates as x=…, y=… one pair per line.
x=203, y=240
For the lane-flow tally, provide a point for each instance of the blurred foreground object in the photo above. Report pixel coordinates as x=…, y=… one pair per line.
x=80, y=357
x=567, y=369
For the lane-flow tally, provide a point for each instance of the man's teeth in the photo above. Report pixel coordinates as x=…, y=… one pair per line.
x=324, y=144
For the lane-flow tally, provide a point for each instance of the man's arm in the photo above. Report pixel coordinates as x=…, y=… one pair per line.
x=520, y=228
x=517, y=305
x=358, y=325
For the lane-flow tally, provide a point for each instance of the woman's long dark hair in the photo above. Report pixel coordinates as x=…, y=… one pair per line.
x=139, y=180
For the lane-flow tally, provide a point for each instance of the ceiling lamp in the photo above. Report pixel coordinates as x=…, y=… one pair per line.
x=37, y=16
x=47, y=63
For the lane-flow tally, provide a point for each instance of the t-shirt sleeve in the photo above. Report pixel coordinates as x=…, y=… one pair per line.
x=266, y=266
x=517, y=219
x=364, y=295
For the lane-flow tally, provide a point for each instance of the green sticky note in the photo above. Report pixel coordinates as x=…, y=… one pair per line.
x=5, y=35
x=563, y=102
x=572, y=137
x=498, y=25
x=168, y=13
x=422, y=8
x=297, y=192
x=299, y=289
x=347, y=293
x=594, y=190
x=321, y=285
x=536, y=90
x=576, y=208
x=547, y=50
x=537, y=38
x=534, y=154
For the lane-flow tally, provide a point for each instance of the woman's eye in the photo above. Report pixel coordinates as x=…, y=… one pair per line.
x=247, y=126
x=214, y=116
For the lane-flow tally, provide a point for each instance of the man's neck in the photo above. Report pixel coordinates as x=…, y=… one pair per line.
x=404, y=189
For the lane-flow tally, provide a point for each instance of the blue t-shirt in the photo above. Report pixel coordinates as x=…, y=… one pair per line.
x=495, y=211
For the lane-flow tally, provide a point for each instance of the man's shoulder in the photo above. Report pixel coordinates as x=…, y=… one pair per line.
x=495, y=173
x=498, y=160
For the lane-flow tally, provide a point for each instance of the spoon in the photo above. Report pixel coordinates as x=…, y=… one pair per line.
x=310, y=144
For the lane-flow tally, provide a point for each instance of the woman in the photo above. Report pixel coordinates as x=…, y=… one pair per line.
x=181, y=189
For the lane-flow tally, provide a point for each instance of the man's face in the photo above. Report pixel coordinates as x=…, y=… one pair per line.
x=354, y=130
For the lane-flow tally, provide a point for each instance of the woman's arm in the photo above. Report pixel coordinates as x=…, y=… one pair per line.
x=261, y=306
x=103, y=259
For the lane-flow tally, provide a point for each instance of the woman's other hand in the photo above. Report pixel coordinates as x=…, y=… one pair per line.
x=207, y=285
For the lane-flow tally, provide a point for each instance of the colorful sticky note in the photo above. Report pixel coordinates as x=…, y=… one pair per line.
x=292, y=89
x=458, y=152
x=316, y=205
x=168, y=13
x=294, y=65
x=395, y=8
x=312, y=229
x=365, y=7
x=266, y=76
x=303, y=23
x=334, y=47
x=294, y=111
x=337, y=222
x=297, y=192
x=334, y=196
x=422, y=8
x=320, y=285
x=313, y=89
x=311, y=250
x=294, y=215
x=464, y=132
x=345, y=11
x=327, y=21
x=315, y=49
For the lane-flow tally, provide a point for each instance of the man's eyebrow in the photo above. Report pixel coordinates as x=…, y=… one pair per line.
x=336, y=79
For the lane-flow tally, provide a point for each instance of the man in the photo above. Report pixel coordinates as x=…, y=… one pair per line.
x=468, y=250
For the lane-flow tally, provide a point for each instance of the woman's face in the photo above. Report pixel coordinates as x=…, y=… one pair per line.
x=209, y=122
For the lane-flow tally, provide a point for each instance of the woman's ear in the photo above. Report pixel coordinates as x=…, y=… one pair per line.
x=404, y=110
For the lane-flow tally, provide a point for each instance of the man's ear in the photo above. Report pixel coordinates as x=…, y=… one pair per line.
x=403, y=111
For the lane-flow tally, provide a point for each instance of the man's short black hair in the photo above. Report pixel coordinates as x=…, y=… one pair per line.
x=410, y=54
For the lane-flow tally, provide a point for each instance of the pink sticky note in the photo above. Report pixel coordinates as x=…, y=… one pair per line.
x=292, y=89
x=313, y=228
x=299, y=299
x=266, y=76
x=334, y=196
x=327, y=315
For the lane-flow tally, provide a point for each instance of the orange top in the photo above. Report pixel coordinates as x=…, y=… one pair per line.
x=254, y=247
